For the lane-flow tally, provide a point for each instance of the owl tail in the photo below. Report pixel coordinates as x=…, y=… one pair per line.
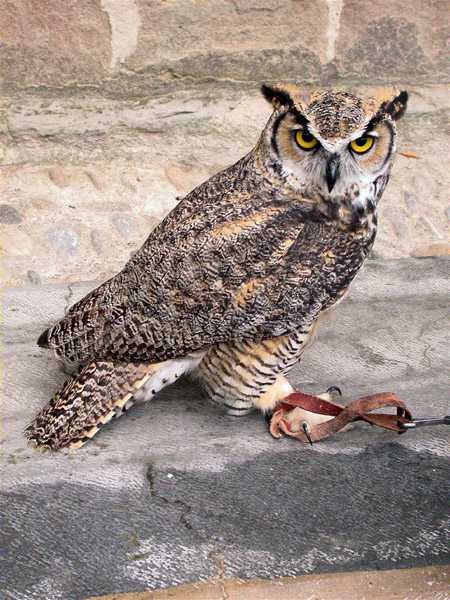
x=88, y=400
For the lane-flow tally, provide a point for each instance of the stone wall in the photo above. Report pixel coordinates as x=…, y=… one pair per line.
x=111, y=109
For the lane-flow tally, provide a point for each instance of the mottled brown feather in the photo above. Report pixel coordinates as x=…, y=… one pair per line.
x=238, y=273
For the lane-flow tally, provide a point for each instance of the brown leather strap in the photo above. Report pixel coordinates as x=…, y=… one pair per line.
x=356, y=410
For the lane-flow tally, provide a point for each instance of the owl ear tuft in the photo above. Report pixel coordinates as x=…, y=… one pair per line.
x=277, y=95
x=396, y=107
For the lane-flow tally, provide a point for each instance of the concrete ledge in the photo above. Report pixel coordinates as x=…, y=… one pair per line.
x=177, y=492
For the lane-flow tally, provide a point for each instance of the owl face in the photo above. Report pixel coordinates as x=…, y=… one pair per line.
x=332, y=144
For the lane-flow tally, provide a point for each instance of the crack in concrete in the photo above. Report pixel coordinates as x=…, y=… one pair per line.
x=428, y=347
x=214, y=555
x=253, y=9
x=184, y=508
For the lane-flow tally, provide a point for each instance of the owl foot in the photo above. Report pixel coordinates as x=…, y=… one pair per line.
x=290, y=419
x=313, y=418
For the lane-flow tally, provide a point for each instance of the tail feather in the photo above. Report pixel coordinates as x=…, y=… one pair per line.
x=87, y=401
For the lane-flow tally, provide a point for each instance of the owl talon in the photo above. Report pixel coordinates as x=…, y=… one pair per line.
x=313, y=418
x=305, y=428
x=334, y=389
x=275, y=424
x=297, y=422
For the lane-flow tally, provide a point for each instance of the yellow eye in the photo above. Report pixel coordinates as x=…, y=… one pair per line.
x=362, y=144
x=305, y=140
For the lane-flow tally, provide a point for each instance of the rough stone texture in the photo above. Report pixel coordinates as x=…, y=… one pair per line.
x=110, y=109
x=177, y=491
x=52, y=44
x=394, y=39
x=90, y=179
x=137, y=46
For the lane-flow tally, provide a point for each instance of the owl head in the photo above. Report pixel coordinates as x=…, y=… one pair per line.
x=333, y=147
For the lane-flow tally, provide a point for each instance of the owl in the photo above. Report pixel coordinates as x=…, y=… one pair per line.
x=231, y=286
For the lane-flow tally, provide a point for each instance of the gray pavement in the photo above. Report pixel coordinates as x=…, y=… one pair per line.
x=176, y=491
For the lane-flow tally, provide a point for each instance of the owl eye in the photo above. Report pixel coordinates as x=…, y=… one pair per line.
x=305, y=140
x=362, y=144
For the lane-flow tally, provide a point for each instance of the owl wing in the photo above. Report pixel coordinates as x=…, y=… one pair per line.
x=222, y=266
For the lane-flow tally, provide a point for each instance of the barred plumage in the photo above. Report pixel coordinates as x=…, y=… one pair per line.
x=237, y=375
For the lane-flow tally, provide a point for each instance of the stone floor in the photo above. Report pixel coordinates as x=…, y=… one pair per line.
x=177, y=492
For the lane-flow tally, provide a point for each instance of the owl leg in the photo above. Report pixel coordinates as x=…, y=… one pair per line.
x=246, y=375
x=293, y=417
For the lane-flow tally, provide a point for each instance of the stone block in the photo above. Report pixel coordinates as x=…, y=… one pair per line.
x=52, y=43
x=239, y=40
x=393, y=41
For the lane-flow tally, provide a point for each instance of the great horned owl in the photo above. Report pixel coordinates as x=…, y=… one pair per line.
x=231, y=284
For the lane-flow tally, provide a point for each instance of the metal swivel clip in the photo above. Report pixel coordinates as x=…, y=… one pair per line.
x=425, y=422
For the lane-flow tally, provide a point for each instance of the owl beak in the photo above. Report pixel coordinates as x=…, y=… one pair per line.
x=332, y=171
